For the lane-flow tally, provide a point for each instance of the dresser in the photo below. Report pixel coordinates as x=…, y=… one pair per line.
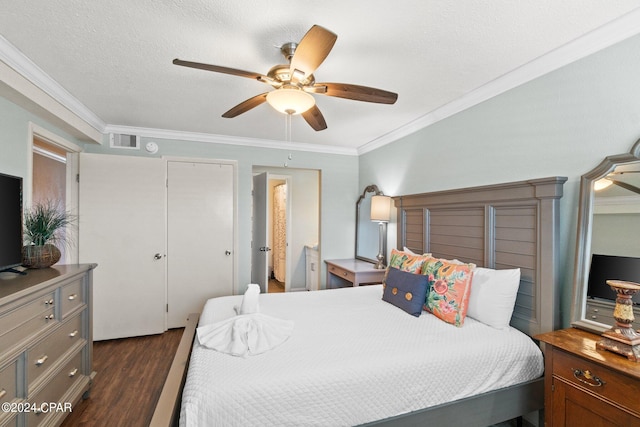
x=585, y=386
x=353, y=271
x=602, y=311
x=45, y=344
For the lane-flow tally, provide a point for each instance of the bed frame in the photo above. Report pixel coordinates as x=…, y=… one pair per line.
x=512, y=225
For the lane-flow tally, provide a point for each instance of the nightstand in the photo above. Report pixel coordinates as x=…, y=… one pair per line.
x=355, y=271
x=585, y=386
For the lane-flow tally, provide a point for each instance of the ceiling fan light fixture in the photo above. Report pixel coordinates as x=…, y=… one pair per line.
x=601, y=184
x=290, y=100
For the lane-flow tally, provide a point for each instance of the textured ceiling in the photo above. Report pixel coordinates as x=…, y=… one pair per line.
x=115, y=56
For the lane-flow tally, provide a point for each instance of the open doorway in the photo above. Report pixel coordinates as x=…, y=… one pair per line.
x=278, y=222
x=286, y=221
x=53, y=164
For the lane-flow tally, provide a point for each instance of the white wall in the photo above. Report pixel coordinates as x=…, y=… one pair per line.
x=338, y=178
x=563, y=123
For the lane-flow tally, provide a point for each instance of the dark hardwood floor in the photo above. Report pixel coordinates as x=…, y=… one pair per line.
x=129, y=379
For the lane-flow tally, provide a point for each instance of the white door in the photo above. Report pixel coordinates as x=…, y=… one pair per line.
x=200, y=236
x=260, y=238
x=122, y=229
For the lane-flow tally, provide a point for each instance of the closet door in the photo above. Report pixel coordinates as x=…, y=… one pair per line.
x=122, y=229
x=200, y=236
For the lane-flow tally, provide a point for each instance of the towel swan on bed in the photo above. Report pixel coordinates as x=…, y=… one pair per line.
x=247, y=334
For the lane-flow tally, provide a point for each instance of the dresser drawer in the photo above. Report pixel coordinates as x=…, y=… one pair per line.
x=597, y=379
x=8, y=419
x=23, y=331
x=23, y=313
x=344, y=274
x=72, y=296
x=56, y=388
x=20, y=318
x=600, y=312
x=8, y=380
x=43, y=355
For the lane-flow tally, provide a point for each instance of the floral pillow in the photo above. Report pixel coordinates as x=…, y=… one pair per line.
x=405, y=261
x=449, y=289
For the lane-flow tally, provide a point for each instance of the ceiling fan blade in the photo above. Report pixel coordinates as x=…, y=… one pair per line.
x=314, y=117
x=358, y=93
x=626, y=186
x=312, y=51
x=245, y=106
x=219, y=69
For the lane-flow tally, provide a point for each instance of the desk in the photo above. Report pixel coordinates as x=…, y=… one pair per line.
x=354, y=271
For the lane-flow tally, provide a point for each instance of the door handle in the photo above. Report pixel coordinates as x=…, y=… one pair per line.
x=265, y=249
x=227, y=253
x=157, y=257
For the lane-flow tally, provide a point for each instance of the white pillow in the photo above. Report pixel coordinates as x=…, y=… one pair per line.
x=493, y=296
x=410, y=252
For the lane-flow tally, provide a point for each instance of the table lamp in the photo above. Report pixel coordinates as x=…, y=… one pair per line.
x=380, y=213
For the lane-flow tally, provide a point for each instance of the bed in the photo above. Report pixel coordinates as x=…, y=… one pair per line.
x=314, y=378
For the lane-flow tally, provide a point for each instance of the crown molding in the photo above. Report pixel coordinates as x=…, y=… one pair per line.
x=229, y=140
x=616, y=205
x=15, y=59
x=616, y=31
x=620, y=29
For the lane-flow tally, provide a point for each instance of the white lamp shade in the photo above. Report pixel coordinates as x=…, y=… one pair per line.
x=290, y=101
x=380, y=208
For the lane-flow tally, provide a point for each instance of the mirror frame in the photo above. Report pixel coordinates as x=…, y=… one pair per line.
x=583, y=240
x=376, y=192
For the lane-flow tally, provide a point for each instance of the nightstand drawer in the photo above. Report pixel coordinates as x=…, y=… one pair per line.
x=344, y=274
x=72, y=296
x=44, y=354
x=8, y=380
x=597, y=379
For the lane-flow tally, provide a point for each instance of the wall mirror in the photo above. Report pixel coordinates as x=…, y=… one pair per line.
x=367, y=231
x=609, y=226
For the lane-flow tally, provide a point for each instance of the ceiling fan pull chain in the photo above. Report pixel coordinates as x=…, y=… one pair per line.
x=287, y=130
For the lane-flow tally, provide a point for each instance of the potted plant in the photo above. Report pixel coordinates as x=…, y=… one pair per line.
x=44, y=233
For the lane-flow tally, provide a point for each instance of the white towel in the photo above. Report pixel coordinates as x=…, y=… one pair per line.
x=249, y=303
x=245, y=335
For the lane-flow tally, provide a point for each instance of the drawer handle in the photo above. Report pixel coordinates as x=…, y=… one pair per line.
x=41, y=361
x=73, y=334
x=3, y=393
x=72, y=297
x=344, y=274
x=588, y=378
x=49, y=317
x=73, y=373
x=48, y=302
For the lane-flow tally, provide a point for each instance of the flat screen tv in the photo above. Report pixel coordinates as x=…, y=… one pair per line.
x=10, y=221
x=607, y=267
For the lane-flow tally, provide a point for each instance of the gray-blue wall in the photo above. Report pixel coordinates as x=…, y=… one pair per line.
x=563, y=123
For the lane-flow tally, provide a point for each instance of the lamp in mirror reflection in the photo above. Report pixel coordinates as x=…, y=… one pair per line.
x=380, y=213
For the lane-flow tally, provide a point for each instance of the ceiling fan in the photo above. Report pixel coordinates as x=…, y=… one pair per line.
x=294, y=83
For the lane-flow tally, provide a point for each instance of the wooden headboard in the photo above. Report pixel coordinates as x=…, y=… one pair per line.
x=512, y=225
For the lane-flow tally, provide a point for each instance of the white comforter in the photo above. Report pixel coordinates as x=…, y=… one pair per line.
x=352, y=358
